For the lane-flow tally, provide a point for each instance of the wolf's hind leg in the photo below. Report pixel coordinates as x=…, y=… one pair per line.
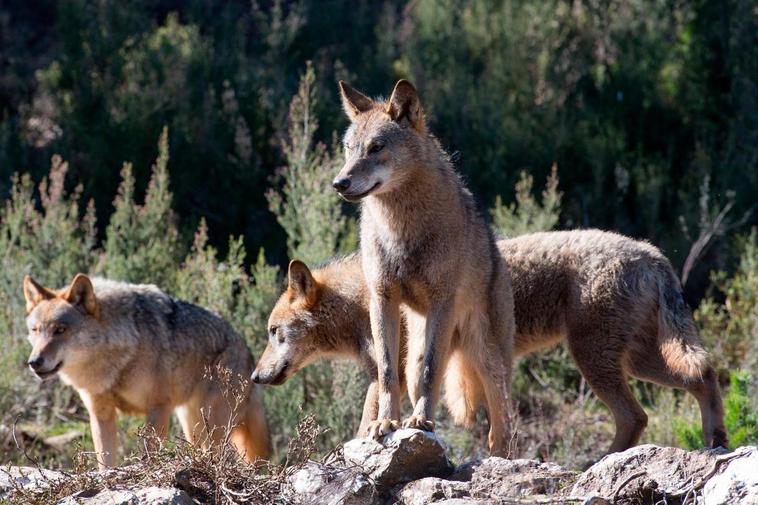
x=603, y=370
x=487, y=351
x=191, y=422
x=204, y=417
x=494, y=359
x=708, y=395
x=494, y=376
x=651, y=367
x=158, y=422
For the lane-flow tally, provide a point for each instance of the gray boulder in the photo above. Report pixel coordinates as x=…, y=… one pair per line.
x=143, y=496
x=648, y=474
x=494, y=476
x=402, y=456
x=489, y=481
x=736, y=479
x=317, y=483
x=432, y=490
x=25, y=477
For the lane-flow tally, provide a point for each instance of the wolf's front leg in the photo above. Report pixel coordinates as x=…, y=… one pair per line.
x=102, y=419
x=385, y=328
x=426, y=362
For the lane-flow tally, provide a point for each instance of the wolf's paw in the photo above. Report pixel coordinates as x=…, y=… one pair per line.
x=419, y=423
x=377, y=429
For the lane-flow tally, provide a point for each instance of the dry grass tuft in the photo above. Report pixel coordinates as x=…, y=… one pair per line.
x=211, y=474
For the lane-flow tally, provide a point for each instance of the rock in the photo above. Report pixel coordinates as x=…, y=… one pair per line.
x=408, y=469
x=736, y=480
x=464, y=501
x=26, y=477
x=403, y=456
x=143, y=496
x=432, y=490
x=332, y=485
x=488, y=481
x=498, y=477
x=646, y=472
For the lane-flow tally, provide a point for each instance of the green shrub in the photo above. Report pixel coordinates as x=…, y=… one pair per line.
x=527, y=214
x=741, y=410
x=205, y=280
x=142, y=241
x=730, y=329
x=307, y=207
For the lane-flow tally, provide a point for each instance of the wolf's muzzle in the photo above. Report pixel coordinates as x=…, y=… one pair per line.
x=36, y=362
x=36, y=366
x=273, y=379
x=354, y=197
x=341, y=184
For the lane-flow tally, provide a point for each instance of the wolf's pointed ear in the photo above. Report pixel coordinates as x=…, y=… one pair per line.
x=404, y=105
x=35, y=293
x=301, y=280
x=354, y=102
x=82, y=294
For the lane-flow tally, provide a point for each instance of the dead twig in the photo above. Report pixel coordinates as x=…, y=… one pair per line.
x=710, y=226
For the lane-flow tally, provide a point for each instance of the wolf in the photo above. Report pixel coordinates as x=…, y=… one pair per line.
x=428, y=252
x=615, y=301
x=132, y=348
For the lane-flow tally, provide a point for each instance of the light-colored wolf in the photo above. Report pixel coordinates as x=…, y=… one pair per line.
x=616, y=301
x=134, y=349
x=425, y=248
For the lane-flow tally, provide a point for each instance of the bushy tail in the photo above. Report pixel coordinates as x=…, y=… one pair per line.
x=677, y=336
x=463, y=390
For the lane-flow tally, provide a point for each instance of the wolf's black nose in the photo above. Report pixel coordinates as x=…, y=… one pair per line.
x=255, y=377
x=36, y=362
x=341, y=184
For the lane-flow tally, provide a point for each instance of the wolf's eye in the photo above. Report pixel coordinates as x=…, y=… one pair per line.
x=272, y=330
x=35, y=329
x=59, y=330
x=375, y=148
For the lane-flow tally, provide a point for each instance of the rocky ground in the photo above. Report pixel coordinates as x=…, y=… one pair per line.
x=411, y=467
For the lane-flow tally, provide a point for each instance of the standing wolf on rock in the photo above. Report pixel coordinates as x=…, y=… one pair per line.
x=136, y=349
x=425, y=248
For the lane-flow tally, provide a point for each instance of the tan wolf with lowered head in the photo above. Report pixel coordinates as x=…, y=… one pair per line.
x=134, y=349
x=427, y=251
x=614, y=300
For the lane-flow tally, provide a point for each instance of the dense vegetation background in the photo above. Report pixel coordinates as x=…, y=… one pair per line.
x=648, y=109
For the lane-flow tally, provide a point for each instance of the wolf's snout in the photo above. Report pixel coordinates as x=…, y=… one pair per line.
x=341, y=184
x=36, y=362
x=271, y=375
